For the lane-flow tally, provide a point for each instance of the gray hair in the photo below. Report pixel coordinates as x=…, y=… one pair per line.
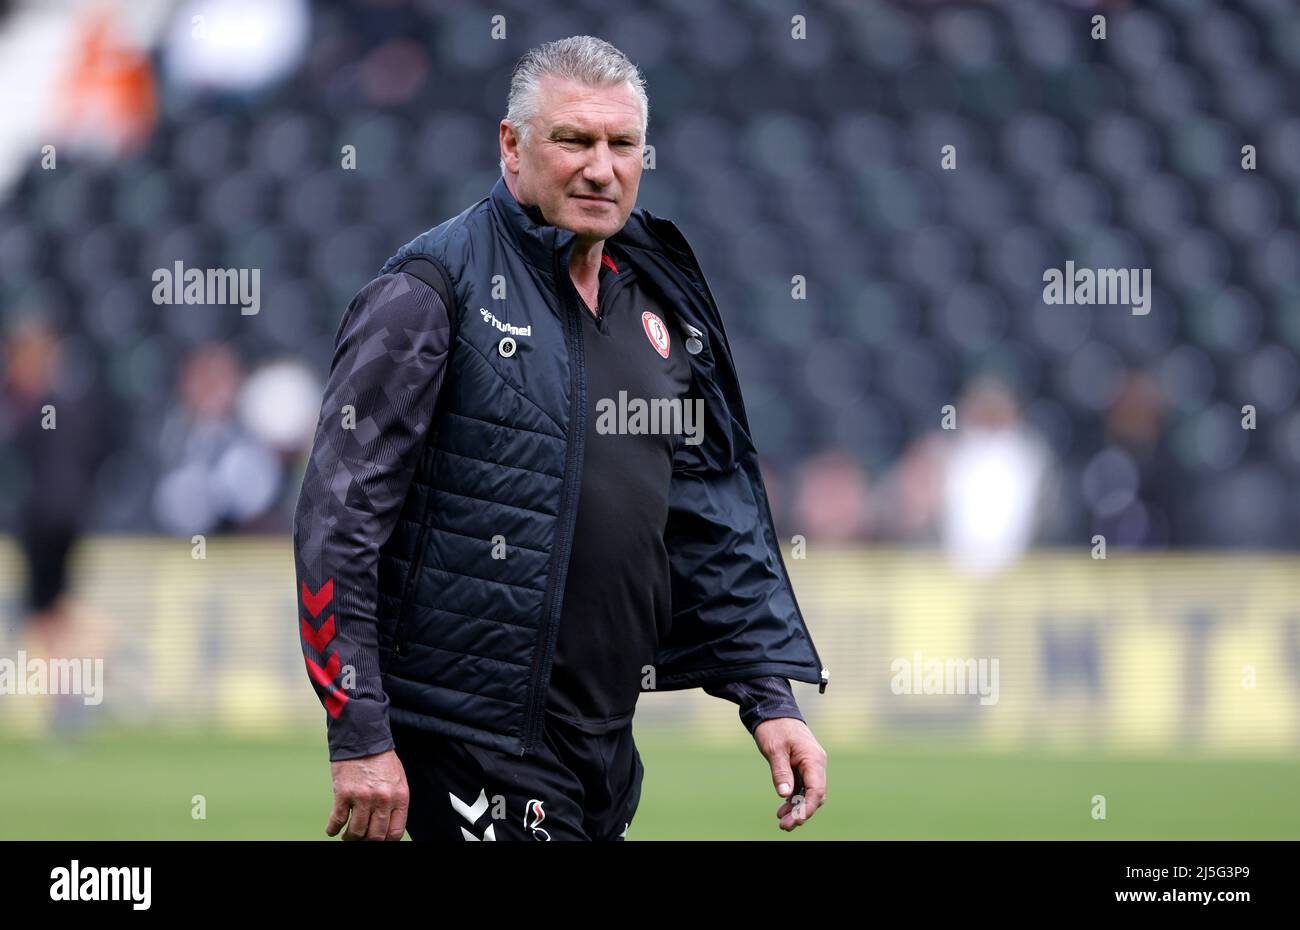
x=585, y=59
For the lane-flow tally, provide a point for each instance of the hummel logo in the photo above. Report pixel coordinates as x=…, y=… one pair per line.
x=505, y=327
x=473, y=812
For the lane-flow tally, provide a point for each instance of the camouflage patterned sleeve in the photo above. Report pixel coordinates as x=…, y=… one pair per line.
x=759, y=699
x=389, y=359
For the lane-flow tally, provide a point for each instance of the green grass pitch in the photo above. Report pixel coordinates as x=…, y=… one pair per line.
x=129, y=785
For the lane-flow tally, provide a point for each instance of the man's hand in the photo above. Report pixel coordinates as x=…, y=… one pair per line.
x=798, y=767
x=374, y=790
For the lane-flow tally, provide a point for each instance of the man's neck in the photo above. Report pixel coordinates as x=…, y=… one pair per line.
x=584, y=270
x=584, y=263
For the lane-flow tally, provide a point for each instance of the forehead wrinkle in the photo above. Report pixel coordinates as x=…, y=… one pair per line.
x=626, y=132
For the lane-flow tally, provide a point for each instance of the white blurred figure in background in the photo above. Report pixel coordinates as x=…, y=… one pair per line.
x=983, y=492
x=994, y=475
x=280, y=404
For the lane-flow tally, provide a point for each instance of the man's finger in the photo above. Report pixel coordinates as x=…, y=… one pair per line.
x=360, y=821
x=812, y=778
x=338, y=816
x=785, y=813
x=812, y=772
x=782, y=777
x=813, y=799
x=378, y=829
x=790, y=812
x=397, y=825
x=790, y=801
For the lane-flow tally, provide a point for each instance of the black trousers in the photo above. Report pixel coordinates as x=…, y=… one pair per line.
x=574, y=786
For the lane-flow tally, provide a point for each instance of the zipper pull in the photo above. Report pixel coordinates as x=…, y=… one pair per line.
x=693, y=343
x=826, y=678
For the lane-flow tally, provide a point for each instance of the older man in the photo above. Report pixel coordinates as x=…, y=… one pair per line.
x=491, y=566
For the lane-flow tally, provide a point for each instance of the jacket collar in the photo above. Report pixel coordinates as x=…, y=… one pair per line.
x=538, y=241
x=527, y=229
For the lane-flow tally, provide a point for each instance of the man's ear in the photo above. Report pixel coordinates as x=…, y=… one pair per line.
x=509, y=146
x=511, y=143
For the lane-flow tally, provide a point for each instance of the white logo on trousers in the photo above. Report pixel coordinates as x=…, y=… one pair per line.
x=472, y=813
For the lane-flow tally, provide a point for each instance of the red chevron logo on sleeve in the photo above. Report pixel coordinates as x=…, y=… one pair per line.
x=316, y=602
x=335, y=699
x=334, y=702
x=318, y=639
x=324, y=676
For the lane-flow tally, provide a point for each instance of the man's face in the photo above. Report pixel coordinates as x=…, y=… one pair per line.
x=582, y=163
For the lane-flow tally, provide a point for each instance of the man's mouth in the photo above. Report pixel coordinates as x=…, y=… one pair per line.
x=594, y=197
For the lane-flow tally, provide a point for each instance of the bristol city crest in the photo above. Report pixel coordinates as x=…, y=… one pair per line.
x=656, y=331
x=533, y=817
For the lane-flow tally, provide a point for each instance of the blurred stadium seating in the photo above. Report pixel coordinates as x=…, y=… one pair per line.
x=779, y=158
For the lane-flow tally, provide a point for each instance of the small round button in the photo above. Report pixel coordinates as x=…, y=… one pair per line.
x=693, y=345
x=506, y=347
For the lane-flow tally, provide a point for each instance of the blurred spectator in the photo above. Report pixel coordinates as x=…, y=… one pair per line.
x=279, y=404
x=981, y=490
x=994, y=478
x=60, y=434
x=107, y=100
x=236, y=45
x=217, y=477
x=1130, y=484
x=830, y=499
x=909, y=495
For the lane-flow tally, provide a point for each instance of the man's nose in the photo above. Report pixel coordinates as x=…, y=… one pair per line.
x=600, y=166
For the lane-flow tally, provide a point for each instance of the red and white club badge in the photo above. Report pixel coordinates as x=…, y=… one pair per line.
x=656, y=331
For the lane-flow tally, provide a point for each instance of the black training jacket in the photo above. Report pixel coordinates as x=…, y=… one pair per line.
x=471, y=568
